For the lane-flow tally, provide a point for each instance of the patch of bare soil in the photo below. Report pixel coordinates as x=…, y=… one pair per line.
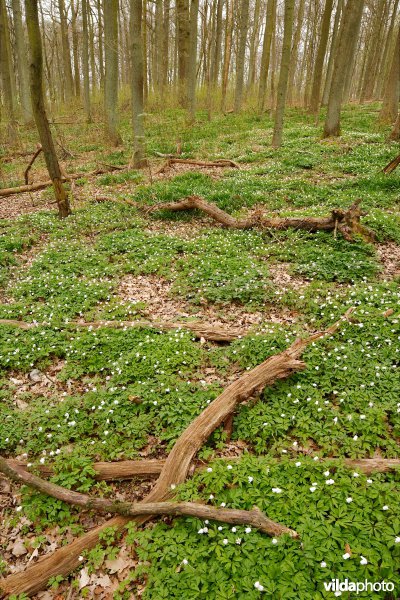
x=23, y=204
x=186, y=230
x=389, y=255
x=282, y=278
x=155, y=292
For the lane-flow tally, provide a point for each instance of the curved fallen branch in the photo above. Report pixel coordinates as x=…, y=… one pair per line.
x=66, y=559
x=34, y=187
x=28, y=168
x=392, y=165
x=237, y=517
x=199, y=163
x=347, y=222
x=208, y=332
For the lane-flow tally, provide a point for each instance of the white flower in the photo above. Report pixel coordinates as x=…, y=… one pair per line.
x=385, y=507
x=201, y=531
x=323, y=564
x=274, y=541
x=248, y=530
x=330, y=481
x=327, y=473
x=276, y=490
x=369, y=480
x=355, y=437
x=80, y=558
x=258, y=586
x=220, y=528
x=397, y=540
x=298, y=464
x=185, y=561
x=225, y=541
x=234, y=529
x=223, y=504
x=229, y=467
x=42, y=460
x=211, y=497
x=173, y=486
x=250, y=479
x=316, y=458
x=238, y=541
x=19, y=508
x=209, y=470
x=349, y=499
x=363, y=561
x=312, y=488
x=355, y=474
x=346, y=556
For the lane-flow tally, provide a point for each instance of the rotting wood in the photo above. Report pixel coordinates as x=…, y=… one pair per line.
x=237, y=517
x=208, y=332
x=176, y=467
x=392, y=165
x=198, y=163
x=28, y=168
x=35, y=187
x=347, y=222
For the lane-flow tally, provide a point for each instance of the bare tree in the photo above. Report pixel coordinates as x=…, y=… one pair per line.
x=390, y=105
x=22, y=66
x=243, y=28
x=137, y=85
x=266, y=52
x=319, y=61
x=111, y=71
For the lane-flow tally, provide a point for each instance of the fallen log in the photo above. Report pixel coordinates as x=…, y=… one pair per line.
x=199, y=163
x=128, y=469
x=237, y=517
x=251, y=383
x=347, y=222
x=35, y=187
x=28, y=168
x=392, y=165
x=208, y=332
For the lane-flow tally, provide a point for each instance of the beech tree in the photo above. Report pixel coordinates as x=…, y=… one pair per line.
x=137, y=85
x=111, y=72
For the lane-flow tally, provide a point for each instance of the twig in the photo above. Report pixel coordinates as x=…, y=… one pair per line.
x=28, y=168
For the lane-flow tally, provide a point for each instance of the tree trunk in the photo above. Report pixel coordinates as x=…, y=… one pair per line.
x=241, y=54
x=66, y=53
x=295, y=51
x=22, y=65
x=373, y=47
x=254, y=43
x=183, y=19
x=111, y=72
x=216, y=54
x=85, y=62
x=266, y=53
x=38, y=107
x=75, y=47
x=5, y=73
x=332, y=53
x=382, y=76
x=192, y=67
x=227, y=51
x=137, y=84
x=283, y=73
x=391, y=97
x=319, y=61
x=348, y=38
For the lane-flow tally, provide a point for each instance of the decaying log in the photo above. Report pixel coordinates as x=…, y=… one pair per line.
x=208, y=332
x=390, y=167
x=28, y=168
x=237, y=517
x=176, y=467
x=347, y=222
x=34, y=187
x=199, y=163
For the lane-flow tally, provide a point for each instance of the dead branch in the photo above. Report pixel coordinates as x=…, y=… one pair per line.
x=34, y=187
x=177, y=465
x=208, y=332
x=390, y=167
x=28, y=168
x=237, y=517
x=347, y=222
x=198, y=163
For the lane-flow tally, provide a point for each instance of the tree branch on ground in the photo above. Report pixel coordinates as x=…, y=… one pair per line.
x=221, y=163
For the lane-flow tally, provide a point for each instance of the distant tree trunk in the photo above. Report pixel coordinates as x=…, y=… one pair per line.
x=390, y=106
x=295, y=51
x=254, y=42
x=5, y=74
x=182, y=8
x=111, y=71
x=283, y=73
x=227, y=52
x=9, y=51
x=75, y=47
x=85, y=62
x=241, y=54
x=144, y=53
x=100, y=33
x=266, y=53
x=332, y=53
x=38, y=107
x=91, y=48
x=319, y=61
x=158, y=45
x=345, y=50
x=395, y=133
x=137, y=85
x=22, y=65
x=382, y=76
x=66, y=53
x=192, y=67
x=216, y=54
x=166, y=45
x=373, y=48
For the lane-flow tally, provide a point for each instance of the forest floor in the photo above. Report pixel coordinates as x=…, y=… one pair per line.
x=70, y=396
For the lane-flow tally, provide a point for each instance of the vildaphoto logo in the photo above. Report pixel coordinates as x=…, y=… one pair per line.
x=337, y=587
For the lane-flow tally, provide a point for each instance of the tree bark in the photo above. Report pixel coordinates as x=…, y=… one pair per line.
x=111, y=72
x=266, y=53
x=66, y=53
x=390, y=105
x=227, y=52
x=183, y=20
x=241, y=53
x=319, y=61
x=22, y=66
x=137, y=75
x=5, y=61
x=192, y=63
x=332, y=53
x=85, y=62
x=38, y=107
x=348, y=37
x=295, y=51
x=283, y=74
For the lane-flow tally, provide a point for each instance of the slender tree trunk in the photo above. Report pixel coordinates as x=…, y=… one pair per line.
x=100, y=42
x=227, y=52
x=75, y=47
x=182, y=9
x=111, y=72
x=85, y=62
x=266, y=52
x=38, y=106
x=295, y=51
x=22, y=65
x=332, y=53
x=66, y=52
x=382, y=76
x=5, y=72
x=283, y=73
x=373, y=44
x=319, y=61
x=254, y=42
x=9, y=47
x=192, y=67
x=91, y=47
x=345, y=50
x=166, y=45
x=137, y=84
x=241, y=55
x=390, y=106
x=144, y=52
x=216, y=56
